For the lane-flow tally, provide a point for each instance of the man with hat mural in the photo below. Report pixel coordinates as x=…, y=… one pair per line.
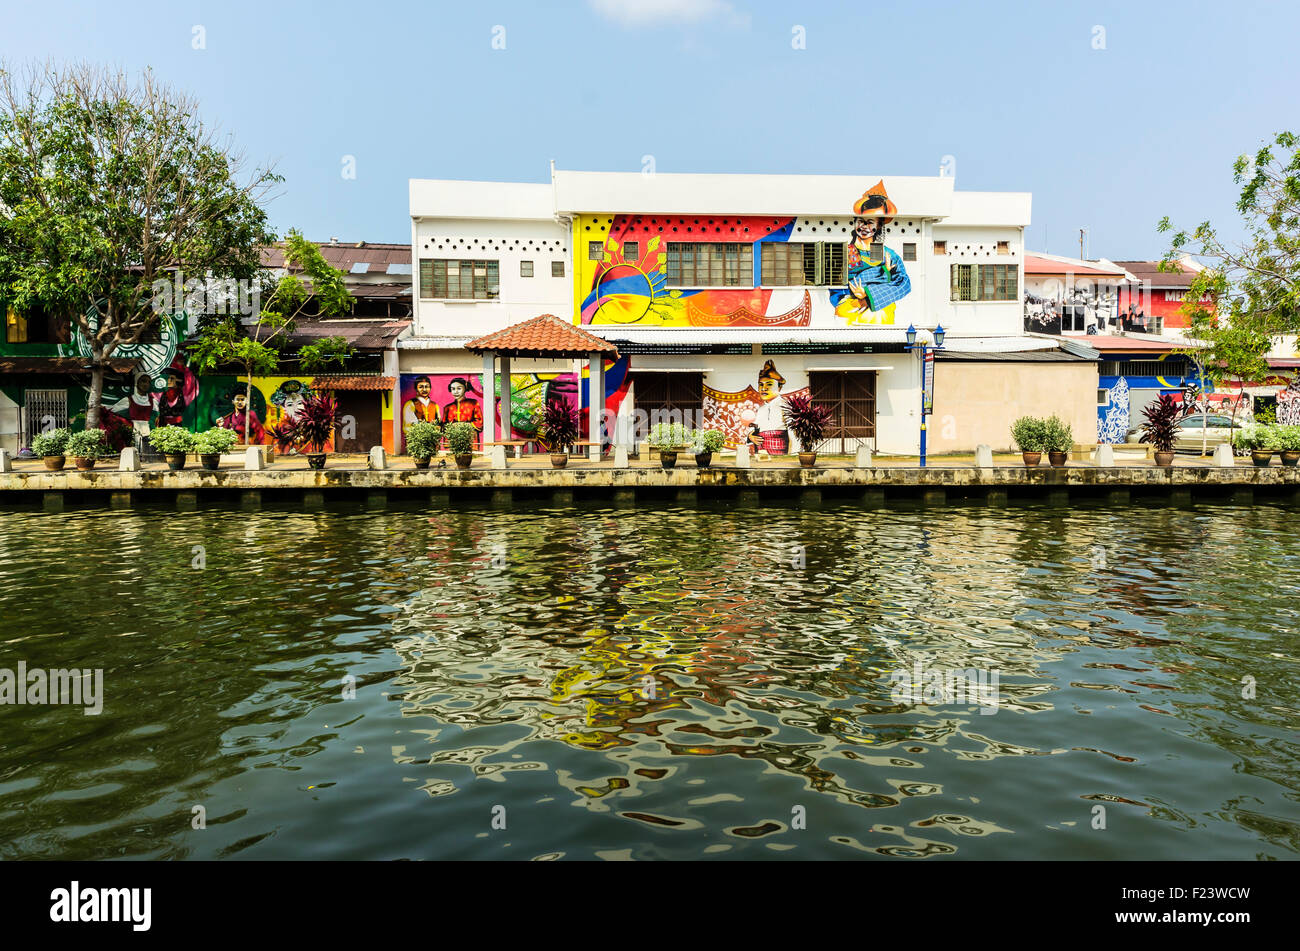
x=875, y=284
x=767, y=432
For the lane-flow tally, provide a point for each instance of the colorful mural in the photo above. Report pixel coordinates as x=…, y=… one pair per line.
x=430, y=396
x=628, y=282
x=754, y=414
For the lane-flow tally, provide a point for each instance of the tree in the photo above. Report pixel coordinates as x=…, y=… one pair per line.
x=108, y=185
x=257, y=347
x=1254, y=285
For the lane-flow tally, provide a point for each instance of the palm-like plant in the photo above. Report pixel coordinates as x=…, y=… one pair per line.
x=560, y=425
x=807, y=420
x=312, y=429
x=1161, y=426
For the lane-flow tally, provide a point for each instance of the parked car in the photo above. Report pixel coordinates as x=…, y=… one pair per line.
x=1211, y=430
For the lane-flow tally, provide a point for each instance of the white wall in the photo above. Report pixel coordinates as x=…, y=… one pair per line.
x=969, y=244
x=508, y=242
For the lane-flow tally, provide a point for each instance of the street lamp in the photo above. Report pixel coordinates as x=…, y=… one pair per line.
x=927, y=351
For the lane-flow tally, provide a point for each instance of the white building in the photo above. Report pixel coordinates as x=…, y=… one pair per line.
x=723, y=292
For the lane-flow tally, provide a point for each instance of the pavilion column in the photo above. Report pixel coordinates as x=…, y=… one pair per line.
x=489, y=397
x=595, y=400
x=506, y=432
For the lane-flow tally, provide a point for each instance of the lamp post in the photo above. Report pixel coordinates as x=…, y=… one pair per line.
x=927, y=351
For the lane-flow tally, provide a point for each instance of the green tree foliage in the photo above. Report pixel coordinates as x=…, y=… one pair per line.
x=108, y=185
x=256, y=346
x=1253, y=287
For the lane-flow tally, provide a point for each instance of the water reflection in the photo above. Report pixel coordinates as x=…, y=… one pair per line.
x=682, y=683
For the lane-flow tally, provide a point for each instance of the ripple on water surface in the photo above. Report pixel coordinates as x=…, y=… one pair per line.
x=678, y=683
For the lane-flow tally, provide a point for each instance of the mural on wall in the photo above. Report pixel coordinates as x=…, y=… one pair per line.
x=754, y=414
x=1113, y=420
x=431, y=396
x=222, y=401
x=1288, y=404
x=628, y=283
x=441, y=397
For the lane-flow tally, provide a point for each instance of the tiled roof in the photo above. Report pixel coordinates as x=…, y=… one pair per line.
x=377, y=334
x=343, y=381
x=1132, y=343
x=1035, y=264
x=375, y=257
x=1150, y=271
x=546, y=335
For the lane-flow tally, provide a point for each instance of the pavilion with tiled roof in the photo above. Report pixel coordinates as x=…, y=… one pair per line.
x=545, y=337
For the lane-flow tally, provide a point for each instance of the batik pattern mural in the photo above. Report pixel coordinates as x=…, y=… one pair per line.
x=1288, y=404
x=753, y=415
x=688, y=271
x=1113, y=420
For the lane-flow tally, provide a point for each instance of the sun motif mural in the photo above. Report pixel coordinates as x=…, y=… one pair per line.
x=688, y=270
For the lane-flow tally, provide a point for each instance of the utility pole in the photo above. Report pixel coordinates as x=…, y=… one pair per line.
x=1082, y=232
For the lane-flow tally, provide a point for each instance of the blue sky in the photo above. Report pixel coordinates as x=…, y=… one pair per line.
x=1015, y=93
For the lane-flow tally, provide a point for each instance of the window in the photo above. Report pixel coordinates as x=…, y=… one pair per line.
x=459, y=280
x=815, y=265
x=697, y=264
x=525, y=268
x=15, y=327
x=631, y=251
x=984, y=282
x=1004, y=247
x=941, y=247
x=35, y=326
x=1103, y=397
x=595, y=250
x=557, y=269
x=850, y=395
x=909, y=250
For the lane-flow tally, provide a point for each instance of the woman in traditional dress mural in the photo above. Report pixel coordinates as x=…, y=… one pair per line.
x=767, y=433
x=874, y=284
x=242, y=416
x=462, y=409
x=138, y=406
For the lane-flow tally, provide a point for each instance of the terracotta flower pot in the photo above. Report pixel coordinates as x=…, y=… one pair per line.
x=55, y=462
x=316, y=460
x=421, y=463
x=667, y=459
x=1165, y=459
x=464, y=459
x=210, y=460
x=1057, y=459
x=807, y=459
x=1261, y=457
x=83, y=462
x=1032, y=458
x=175, y=460
x=702, y=459
x=1290, y=457
x=559, y=459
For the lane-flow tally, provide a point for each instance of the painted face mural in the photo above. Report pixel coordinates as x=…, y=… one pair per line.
x=754, y=414
x=440, y=397
x=744, y=271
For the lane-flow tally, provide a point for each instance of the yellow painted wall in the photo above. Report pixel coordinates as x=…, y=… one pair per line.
x=977, y=402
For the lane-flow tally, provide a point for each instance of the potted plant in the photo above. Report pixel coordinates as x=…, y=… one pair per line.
x=1030, y=436
x=1289, y=440
x=211, y=444
x=53, y=446
x=86, y=446
x=705, y=443
x=1248, y=440
x=1161, y=427
x=559, y=431
x=460, y=442
x=669, y=438
x=1058, y=440
x=173, y=442
x=809, y=422
x=315, y=424
x=422, y=440
x=1270, y=440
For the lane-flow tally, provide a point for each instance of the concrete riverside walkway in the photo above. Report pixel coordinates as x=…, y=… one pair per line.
x=837, y=474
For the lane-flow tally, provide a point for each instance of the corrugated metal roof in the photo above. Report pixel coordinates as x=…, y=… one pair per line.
x=1024, y=356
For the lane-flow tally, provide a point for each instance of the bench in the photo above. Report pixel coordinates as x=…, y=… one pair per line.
x=517, y=444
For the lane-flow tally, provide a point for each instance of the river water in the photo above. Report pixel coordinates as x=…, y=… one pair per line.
x=703, y=682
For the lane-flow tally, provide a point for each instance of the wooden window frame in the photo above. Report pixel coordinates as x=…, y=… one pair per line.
x=697, y=264
x=436, y=275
